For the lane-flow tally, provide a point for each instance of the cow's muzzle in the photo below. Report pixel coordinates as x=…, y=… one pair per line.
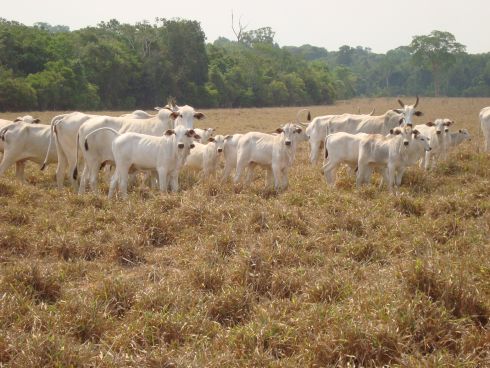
x=405, y=143
x=220, y=149
x=287, y=143
x=438, y=132
x=180, y=145
x=428, y=149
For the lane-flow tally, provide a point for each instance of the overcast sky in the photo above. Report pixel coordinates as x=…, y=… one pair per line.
x=378, y=24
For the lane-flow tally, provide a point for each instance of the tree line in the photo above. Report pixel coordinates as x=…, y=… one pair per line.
x=124, y=66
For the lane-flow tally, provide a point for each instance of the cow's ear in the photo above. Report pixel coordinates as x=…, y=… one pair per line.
x=170, y=132
x=430, y=123
x=401, y=121
x=448, y=123
x=199, y=116
x=460, y=131
x=211, y=139
x=298, y=130
x=415, y=132
x=197, y=136
x=228, y=137
x=279, y=130
x=391, y=131
x=36, y=121
x=397, y=132
x=418, y=113
x=17, y=120
x=398, y=111
x=174, y=114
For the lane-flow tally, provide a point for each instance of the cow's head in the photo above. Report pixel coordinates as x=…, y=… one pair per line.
x=206, y=133
x=439, y=126
x=417, y=136
x=447, y=124
x=408, y=111
x=404, y=133
x=184, y=138
x=219, y=142
x=27, y=119
x=185, y=116
x=290, y=132
x=465, y=134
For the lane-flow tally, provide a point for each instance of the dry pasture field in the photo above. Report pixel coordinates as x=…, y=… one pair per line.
x=241, y=277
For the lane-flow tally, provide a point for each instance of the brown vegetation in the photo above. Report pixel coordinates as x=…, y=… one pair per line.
x=223, y=276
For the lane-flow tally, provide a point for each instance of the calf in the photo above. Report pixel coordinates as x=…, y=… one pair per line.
x=25, y=142
x=205, y=157
x=341, y=148
x=455, y=139
x=204, y=133
x=438, y=133
x=274, y=152
x=385, y=152
x=165, y=154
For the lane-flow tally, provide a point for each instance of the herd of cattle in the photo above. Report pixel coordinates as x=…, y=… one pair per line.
x=161, y=145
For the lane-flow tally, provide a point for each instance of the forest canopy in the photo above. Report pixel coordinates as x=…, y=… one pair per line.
x=125, y=66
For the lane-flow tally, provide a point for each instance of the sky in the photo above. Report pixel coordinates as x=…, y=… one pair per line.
x=378, y=24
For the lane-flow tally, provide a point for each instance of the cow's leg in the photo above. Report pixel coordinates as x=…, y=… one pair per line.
x=250, y=173
x=83, y=179
x=112, y=186
x=426, y=160
x=276, y=170
x=123, y=181
x=7, y=161
x=174, y=181
x=315, y=151
x=399, y=176
x=93, y=173
x=285, y=180
x=270, y=178
x=330, y=172
x=19, y=171
x=239, y=170
x=162, y=179
x=61, y=169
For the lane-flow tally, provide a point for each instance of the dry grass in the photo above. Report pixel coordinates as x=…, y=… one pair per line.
x=217, y=275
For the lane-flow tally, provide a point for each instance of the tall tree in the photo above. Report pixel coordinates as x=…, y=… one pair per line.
x=438, y=51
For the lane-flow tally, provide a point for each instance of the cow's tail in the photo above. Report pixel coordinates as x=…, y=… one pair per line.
x=308, y=117
x=54, y=122
x=75, y=171
x=97, y=130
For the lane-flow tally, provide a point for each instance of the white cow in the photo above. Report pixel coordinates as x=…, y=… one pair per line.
x=384, y=152
x=316, y=132
x=438, y=133
x=485, y=126
x=205, y=157
x=165, y=154
x=204, y=133
x=25, y=142
x=230, y=154
x=186, y=116
x=273, y=152
x=97, y=149
x=459, y=137
x=138, y=114
x=340, y=148
x=64, y=130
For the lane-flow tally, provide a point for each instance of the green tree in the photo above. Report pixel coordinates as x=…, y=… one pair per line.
x=438, y=51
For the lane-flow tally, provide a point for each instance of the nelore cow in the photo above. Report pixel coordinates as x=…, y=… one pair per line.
x=273, y=152
x=316, y=132
x=97, y=149
x=205, y=157
x=438, y=133
x=230, y=148
x=380, y=124
x=388, y=153
x=485, y=126
x=25, y=142
x=164, y=154
x=456, y=138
